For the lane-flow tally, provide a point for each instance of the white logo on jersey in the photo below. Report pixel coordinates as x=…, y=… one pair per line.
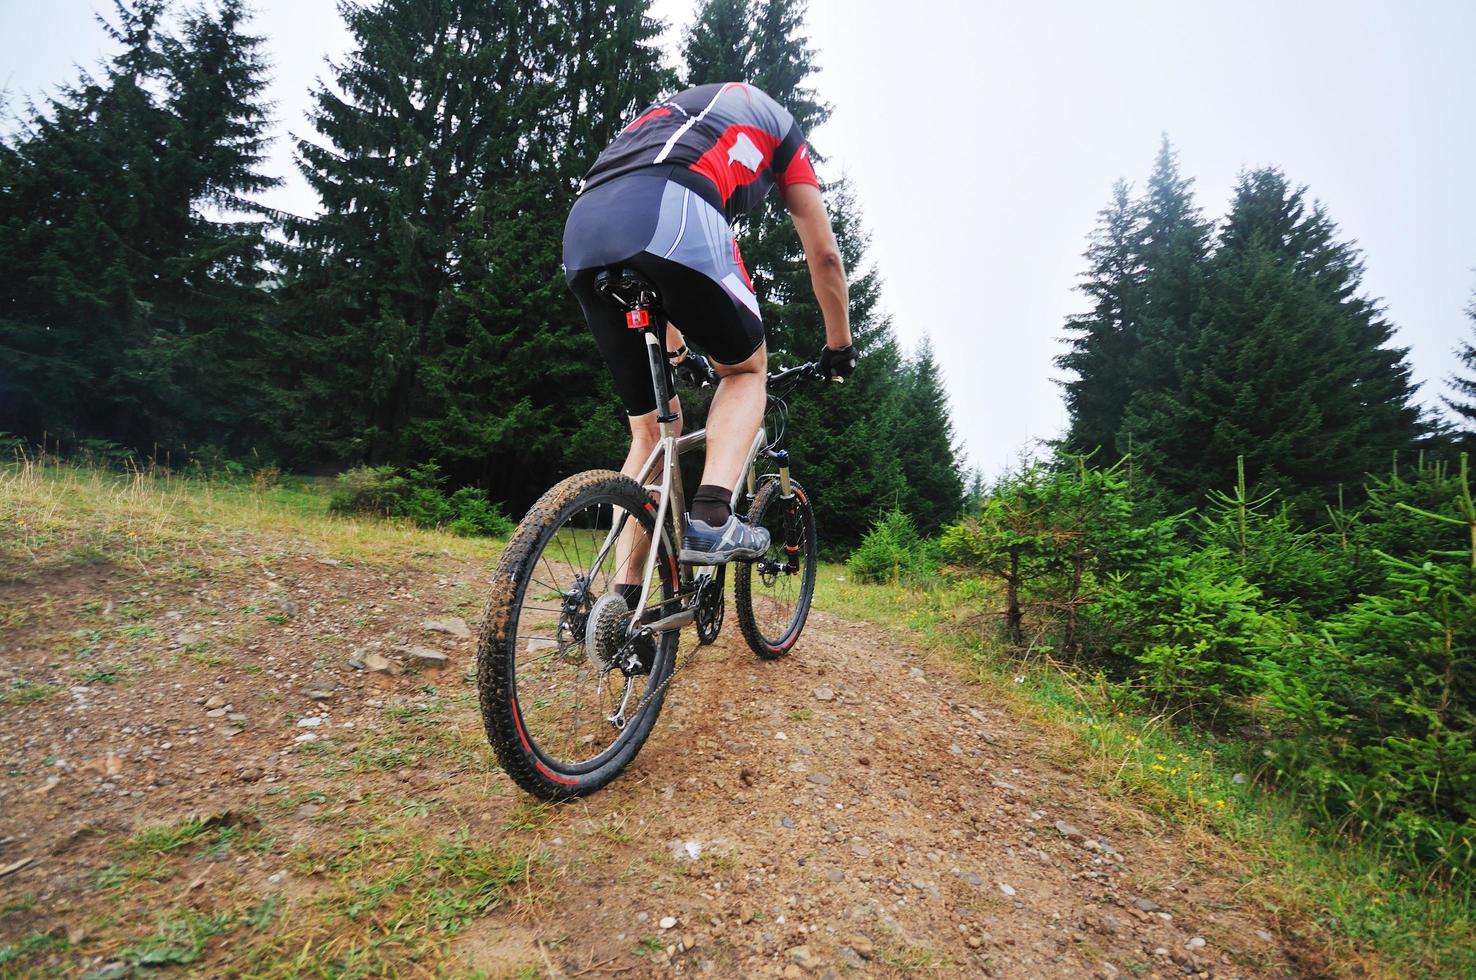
x=746, y=153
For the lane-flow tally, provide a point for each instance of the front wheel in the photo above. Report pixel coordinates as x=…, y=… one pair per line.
x=568, y=694
x=773, y=594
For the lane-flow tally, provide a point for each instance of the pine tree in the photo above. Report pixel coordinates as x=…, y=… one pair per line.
x=214, y=284
x=845, y=438
x=1101, y=352
x=923, y=438
x=1173, y=251
x=1287, y=365
x=1463, y=386
x=842, y=436
x=430, y=292
x=718, y=46
x=79, y=228
x=123, y=295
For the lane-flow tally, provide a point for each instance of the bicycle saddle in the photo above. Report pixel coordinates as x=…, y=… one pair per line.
x=626, y=288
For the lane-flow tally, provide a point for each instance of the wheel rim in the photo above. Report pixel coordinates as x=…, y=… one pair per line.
x=564, y=698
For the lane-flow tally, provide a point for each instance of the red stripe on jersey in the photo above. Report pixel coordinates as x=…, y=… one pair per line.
x=738, y=157
x=738, y=257
x=799, y=170
x=660, y=110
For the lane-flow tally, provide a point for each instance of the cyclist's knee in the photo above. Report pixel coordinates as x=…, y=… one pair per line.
x=645, y=430
x=757, y=363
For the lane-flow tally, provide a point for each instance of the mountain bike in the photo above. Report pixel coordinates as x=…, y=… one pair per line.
x=570, y=674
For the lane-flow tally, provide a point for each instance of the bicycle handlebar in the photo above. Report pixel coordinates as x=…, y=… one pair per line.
x=809, y=371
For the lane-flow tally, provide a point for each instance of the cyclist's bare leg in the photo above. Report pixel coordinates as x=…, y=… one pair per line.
x=735, y=416
x=630, y=550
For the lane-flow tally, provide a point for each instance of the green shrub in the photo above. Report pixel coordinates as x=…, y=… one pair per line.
x=104, y=454
x=417, y=496
x=1382, y=705
x=374, y=490
x=476, y=516
x=892, y=551
x=423, y=502
x=1310, y=571
x=1200, y=628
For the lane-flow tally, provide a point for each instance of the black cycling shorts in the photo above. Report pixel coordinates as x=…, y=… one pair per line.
x=673, y=236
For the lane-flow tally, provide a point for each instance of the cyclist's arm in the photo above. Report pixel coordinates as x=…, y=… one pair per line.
x=674, y=342
x=827, y=270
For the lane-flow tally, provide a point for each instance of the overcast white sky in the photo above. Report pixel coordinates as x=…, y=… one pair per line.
x=983, y=137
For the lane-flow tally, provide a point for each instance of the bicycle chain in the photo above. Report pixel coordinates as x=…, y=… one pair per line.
x=678, y=665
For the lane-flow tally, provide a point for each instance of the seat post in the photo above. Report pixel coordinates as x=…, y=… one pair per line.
x=652, y=325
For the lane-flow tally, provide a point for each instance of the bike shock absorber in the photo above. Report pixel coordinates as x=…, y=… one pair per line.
x=790, y=511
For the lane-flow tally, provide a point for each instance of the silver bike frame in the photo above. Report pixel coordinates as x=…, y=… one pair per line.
x=671, y=505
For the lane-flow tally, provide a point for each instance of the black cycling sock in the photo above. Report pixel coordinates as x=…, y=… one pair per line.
x=712, y=504
x=630, y=593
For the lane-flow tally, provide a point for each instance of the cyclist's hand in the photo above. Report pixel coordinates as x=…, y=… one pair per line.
x=695, y=370
x=835, y=364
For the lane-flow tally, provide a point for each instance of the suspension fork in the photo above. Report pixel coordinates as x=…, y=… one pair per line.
x=792, y=525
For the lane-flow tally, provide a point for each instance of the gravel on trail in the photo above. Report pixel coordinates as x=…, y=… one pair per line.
x=857, y=808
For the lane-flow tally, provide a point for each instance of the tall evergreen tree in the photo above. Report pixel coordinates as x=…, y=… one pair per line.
x=211, y=361
x=1463, y=385
x=1287, y=365
x=1173, y=250
x=1105, y=339
x=126, y=288
x=718, y=45
x=430, y=289
x=844, y=435
x=923, y=438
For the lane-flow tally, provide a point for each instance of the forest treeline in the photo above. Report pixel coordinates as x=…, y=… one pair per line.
x=1248, y=337
x=1250, y=527
x=152, y=303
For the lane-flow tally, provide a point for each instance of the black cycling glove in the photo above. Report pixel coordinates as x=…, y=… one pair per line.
x=695, y=370
x=837, y=363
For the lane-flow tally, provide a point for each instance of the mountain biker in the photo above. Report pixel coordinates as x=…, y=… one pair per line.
x=659, y=200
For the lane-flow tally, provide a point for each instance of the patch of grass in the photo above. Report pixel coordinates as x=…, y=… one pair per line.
x=648, y=945
x=911, y=959
x=65, y=515
x=91, y=638
x=801, y=714
x=99, y=675
x=527, y=816
x=199, y=652
x=390, y=896
x=211, y=836
x=1338, y=896
x=179, y=938
x=152, y=868
x=615, y=828
x=36, y=942
x=21, y=691
x=163, y=838
x=17, y=905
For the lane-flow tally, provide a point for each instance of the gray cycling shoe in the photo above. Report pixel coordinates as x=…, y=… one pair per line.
x=736, y=540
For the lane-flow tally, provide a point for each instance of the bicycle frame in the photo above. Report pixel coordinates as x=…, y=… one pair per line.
x=663, y=461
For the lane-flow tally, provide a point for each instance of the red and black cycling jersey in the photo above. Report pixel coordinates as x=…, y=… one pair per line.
x=730, y=133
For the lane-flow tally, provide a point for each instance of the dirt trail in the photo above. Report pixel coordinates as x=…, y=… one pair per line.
x=857, y=808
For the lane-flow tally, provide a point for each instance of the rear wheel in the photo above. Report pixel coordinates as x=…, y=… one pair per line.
x=568, y=696
x=772, y=595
